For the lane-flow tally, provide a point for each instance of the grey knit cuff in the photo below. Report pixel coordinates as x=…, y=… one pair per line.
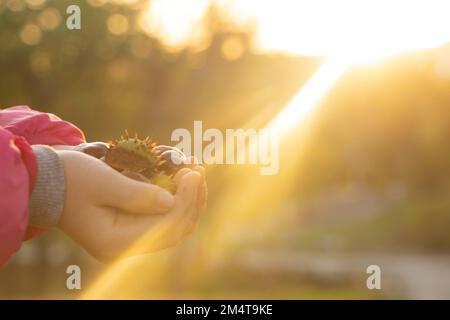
x=47, y=199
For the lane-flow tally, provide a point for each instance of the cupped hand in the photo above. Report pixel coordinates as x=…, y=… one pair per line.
x=106, y=212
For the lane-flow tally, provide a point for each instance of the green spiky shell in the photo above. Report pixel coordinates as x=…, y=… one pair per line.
x=164, y=181
x=139, y=160
x=132, y=154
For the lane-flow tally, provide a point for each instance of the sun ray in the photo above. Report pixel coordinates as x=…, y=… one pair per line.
x=256, y=188
x=352, y=34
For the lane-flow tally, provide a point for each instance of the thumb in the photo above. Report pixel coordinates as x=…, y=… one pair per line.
x=137, y=197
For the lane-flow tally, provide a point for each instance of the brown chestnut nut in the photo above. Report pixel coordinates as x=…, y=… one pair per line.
x=162, y=148
x=95, y=149
x=172, y=161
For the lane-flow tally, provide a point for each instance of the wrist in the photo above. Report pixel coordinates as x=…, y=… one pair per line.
x=47, y=199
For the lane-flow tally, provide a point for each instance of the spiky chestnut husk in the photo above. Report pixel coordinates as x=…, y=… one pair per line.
x=133, y=154
x=157, y=178
x=164, y=181
x=145, y=161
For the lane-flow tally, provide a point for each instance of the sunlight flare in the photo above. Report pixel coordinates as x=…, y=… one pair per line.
x=309, y=95
x=346, y=32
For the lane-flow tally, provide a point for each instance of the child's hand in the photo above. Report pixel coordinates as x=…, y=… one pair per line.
x=106, y=212
x=96, y=149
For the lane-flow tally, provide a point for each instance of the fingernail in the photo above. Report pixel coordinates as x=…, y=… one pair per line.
x=200, y=170
x=180, y=174
x=196, y=178
x=165, y=199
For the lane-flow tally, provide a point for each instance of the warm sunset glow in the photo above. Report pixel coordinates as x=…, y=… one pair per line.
x=363, y=29
x=347, y=32
x=357, y=28
x=307, y=98
x=174, y=21
x=319, y=130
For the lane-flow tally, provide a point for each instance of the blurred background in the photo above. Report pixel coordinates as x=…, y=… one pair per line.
x=364, y=179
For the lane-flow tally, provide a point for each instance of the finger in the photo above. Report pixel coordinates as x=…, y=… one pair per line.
x=190, y=225
x=199, y=208
x=182, y=211
x=202, y=194
x=205, y=200
x=187, y=191
x=203, y=197
x=196, y=207
x=136, y=197
x=200, y=170
x=191, y=161
x=188, y=196
x=177, y=221
x=157, y=234
x=180, y=174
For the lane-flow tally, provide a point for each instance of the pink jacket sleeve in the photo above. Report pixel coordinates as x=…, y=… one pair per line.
x=21, y=127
